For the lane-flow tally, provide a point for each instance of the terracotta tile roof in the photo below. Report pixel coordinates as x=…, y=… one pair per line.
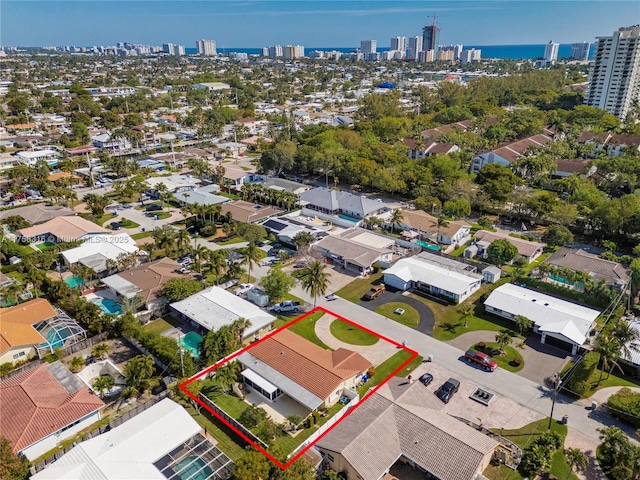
x=35, y=405
x=16, y=323
x=312, y=367
x=67, y=228
x=598, y=137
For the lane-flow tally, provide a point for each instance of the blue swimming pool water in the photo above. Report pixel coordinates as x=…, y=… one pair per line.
x=191, y=342
x=193, y=468
x=73, y=281
x=430, y=246
x=349, y=219
x=107, y=305
x=55, y=338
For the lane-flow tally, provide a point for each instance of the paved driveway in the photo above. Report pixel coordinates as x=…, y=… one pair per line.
x=427, y=318
x=541, y=361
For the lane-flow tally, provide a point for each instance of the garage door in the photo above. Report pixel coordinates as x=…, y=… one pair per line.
x=556, y=342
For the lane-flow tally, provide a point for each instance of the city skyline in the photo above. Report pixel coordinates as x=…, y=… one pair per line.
x=258, y=23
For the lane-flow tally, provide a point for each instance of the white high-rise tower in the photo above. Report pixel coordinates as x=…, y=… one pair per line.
x=206, y=47
x=415, y=47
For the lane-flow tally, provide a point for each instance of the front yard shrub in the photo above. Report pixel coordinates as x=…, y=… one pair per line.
x=578, y=382
x=625, y=404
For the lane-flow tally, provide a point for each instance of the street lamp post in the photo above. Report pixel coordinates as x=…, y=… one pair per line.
x=557, y=381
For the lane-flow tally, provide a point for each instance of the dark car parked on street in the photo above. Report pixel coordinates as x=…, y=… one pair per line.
x=153, y=207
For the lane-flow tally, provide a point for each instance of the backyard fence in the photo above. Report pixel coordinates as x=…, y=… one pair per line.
x=89, y=342
x=34, y=363
x=248, y=433
x=36, y=467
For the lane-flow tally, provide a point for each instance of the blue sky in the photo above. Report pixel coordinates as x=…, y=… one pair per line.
x=246, y=23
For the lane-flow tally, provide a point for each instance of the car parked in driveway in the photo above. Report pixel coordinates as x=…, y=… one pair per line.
x=243, y=288
x=448, y=389
x=375, y=291
x=153, y=208
x=426, y=379
x=115, y=226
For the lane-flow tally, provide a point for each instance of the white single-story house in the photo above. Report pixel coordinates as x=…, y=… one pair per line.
x=97, y=249
x=43, y=406
x=215, y=307
x=30, y=158
x=174, y=183
x=106, y=141
x=435, y=275
x=155, y=444
x=338, y=203
x=211, y=86
x=202, y=196
x=285, y=228
x=61, y=229
x=289, y=364
x=560, y=323
x=357, y=249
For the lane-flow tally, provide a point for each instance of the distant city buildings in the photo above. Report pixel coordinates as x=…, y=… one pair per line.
x=470, y=56
x=173, y=49
x=368, y=46
x=415, y=47
x=430, y=36
x=449, y=53
x=580, y=51
x=427, y=56
x=614, y=80
x=399, y=47
x=293, y=51
x=551, y=52
x=274, y=51
x=206, y=47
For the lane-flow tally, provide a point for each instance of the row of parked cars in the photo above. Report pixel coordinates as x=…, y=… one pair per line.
x=446, y=390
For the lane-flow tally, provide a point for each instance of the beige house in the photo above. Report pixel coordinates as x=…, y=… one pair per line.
x=527, y=249
x=288, y=364
x=403, y=423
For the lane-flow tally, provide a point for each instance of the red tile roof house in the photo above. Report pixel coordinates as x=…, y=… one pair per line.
x=43, y=406
x=292, y=365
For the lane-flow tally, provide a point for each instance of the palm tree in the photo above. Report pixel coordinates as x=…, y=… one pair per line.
x=138, y=372
x=131, y=304
x=239, y=326
x=577, y=459
x=442, y=223
x=523, y=324
x=609, y=350
x=76, y=364
x=235, y=270
x=503, y=339
x=11, y=293
x=466, y=312
x=251, y=255
x=35, y=277
x=396, y=219
x=314, y=279
x=102, y=383
x=182, y=240
x=628, y=339
x=303, y=240
x=111, y=265
x=101, y=350
x=200, y=253
x=227, y=375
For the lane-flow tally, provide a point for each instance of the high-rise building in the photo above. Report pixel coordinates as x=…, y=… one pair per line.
x=173, y=49
x=276, y=51
x=399, y=44
x=614, y=80
x=415, y=47
x=293, y=51
x=368, y=46
x=265, y=51
x=427, y=56
x=206, y=47
x=444, y=54
x=551, y=52
x=470, y=56
x=455, y=50
x=430, y=36
x=580, y=51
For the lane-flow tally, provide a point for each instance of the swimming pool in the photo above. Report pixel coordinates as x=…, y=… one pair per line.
x=193, y=468
x=56, y=338
x=73, y=281
x=349, y=219
x=429, y=246
x=107, y=305
x=191, y=342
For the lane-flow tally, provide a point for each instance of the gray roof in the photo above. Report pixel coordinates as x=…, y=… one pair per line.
x=215, y=307
x=332, y=200
x=202, y=195
x=613, y=273
x=394, y=422
x=284, y=383
x=288, y=185
x=38, y=213
x=121, y=285
x=350, y=250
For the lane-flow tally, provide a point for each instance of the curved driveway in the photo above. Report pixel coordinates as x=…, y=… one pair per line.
x=427, y=318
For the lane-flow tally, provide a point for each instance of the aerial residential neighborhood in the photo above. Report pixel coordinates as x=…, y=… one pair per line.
x=277, y=262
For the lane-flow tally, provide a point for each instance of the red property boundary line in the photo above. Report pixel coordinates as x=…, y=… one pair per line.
x=284, y=466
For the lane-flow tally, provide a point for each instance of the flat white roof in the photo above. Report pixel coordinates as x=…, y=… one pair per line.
x=174, y=181
x=37, y=154
x=215, y=307
x=421, y=270
x=550, y=314
x=129, y=450
x=108, y=246
x=256, y=379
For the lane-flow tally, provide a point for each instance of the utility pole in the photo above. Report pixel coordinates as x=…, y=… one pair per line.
x=557, y=381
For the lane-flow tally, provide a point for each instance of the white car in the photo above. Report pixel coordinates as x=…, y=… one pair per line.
x=243, y=288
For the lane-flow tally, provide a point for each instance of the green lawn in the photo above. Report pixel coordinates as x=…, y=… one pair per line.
x=385, y=369
x=305, y=327
x=352, y=335
x=228, y=195
x=138, y=236
x=160, y=215
x=231, y=404
x=616, y=379
x=504, y=361
x=161, y=324
x=523, y=437
x=126, y=223
x=356, y=289
x=460, y=250
x=289, y=443
x=230, y=241
x=449, y=324
x=410, y=317
x=44, y=245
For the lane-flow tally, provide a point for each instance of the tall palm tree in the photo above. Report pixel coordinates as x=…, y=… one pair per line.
x=111, y=265
x=101, y=350
x=503, y=339
x=11, y=293
x=609, y=350
x=218, y=262
x=396, y=219
x=576, y=459
x=251, y=255
x=442, y=223
x=131, y=304
x=239, y=326
x=102, y=383
x=523, y=323
x=200, y=254
x=314, y=279
x=628, y=339
x=466, y=312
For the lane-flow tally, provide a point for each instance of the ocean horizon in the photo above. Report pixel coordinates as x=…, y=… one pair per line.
x=507, y=52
